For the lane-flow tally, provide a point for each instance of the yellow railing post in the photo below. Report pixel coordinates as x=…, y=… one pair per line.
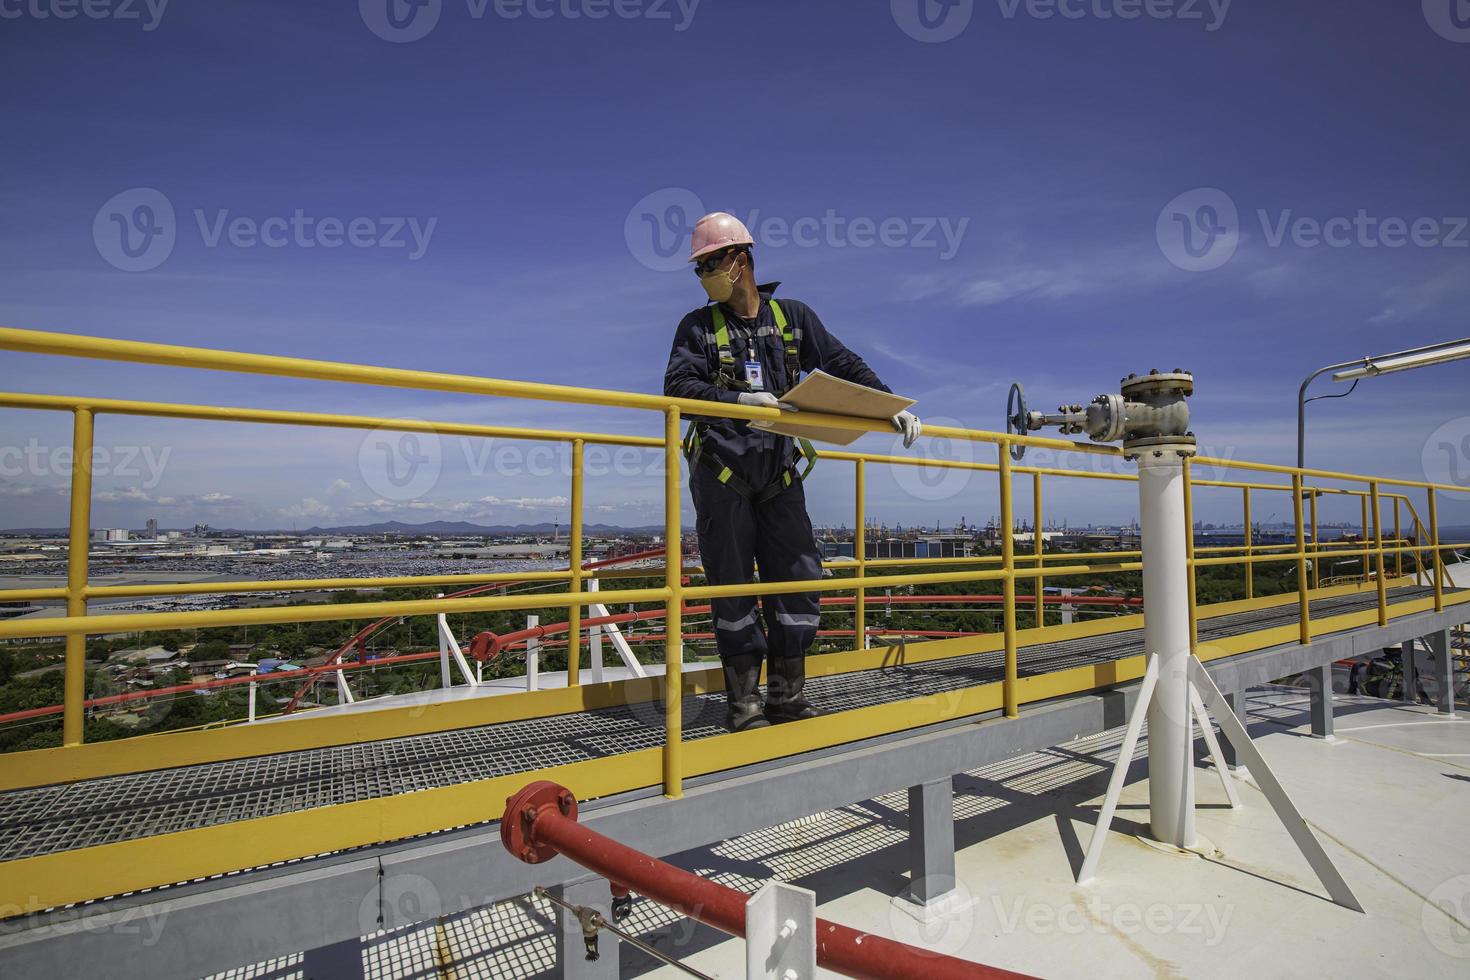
x=1398, y=539
x=1367, y=530
x=1304, y=604
x=1010, y=695
x=673, y=612
x=1189, y=555
x=574, y=614
x=79, y=541
x=1378, y=554
x=1250, y=566
x=1038, y=548
x=860, y=555
x=1316, y=547
x=1434, y=556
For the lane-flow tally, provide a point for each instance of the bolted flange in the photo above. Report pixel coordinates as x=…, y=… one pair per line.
x=521, y=811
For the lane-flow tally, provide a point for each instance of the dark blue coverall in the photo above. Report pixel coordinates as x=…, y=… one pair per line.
x=735, y=533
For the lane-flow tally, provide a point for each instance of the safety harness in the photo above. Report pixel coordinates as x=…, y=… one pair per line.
x=728, y=378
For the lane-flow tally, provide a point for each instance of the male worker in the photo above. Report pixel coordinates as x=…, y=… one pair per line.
x=750, y=349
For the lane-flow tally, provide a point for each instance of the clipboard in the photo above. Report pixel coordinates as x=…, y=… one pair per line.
x=820, y=392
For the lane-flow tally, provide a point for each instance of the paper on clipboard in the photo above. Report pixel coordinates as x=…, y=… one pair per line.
x=820, y=392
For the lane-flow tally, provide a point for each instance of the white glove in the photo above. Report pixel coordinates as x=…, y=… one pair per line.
x=764, y=399
x=908, y=423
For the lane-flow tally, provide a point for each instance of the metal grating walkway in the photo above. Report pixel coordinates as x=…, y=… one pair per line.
x=87, y=813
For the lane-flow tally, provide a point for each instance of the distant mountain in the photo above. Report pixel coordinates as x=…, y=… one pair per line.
x=466, y=529
x=437, y=528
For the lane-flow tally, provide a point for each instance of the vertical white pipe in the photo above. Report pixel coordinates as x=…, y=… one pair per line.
x=1166, y=635
x=442, y=627
x=594, y=638
x=533, y=656
x=252, y=702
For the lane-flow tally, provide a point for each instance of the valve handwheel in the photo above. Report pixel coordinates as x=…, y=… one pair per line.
x=1016, y=419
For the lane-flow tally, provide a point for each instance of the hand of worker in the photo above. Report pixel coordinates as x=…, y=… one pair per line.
x=908, y=423
x=764, y=399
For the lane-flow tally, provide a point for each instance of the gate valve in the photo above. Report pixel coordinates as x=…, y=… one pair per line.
x=1149, y=412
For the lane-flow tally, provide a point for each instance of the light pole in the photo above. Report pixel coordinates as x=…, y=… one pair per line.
x=1371, y=367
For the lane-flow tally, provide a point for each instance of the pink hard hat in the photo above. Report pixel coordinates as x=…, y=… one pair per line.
x=716, y=231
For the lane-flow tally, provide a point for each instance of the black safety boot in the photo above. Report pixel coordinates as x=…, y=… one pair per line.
x=786, y=676
x=742, y=692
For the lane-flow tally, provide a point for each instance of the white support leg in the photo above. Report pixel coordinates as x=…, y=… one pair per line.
x=1120, y=772
x=344, y=693
x=620, y=644
x=1286, y=811
x=250, y=700
x=1203, y=718
x=446, y=636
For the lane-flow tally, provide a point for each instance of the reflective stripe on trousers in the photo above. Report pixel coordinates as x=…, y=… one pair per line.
x=735, y=538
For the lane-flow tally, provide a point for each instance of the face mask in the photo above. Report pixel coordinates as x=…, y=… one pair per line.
x=720, y=285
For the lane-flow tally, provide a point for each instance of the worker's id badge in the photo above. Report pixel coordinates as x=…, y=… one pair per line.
x=753, y=376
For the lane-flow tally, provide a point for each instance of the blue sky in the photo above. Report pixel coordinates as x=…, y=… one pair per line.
x=981, y=195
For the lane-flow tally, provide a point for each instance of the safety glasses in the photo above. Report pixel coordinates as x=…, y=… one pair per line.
x=710, y=263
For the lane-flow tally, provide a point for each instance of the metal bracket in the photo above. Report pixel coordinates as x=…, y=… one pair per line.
x=781, y=933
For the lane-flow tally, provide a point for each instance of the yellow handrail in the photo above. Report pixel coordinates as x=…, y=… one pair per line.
x=1010, y=568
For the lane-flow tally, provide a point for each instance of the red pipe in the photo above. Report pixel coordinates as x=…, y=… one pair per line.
x=367, y=631
x=488, y=645
x=540, y=822
x=216, y=683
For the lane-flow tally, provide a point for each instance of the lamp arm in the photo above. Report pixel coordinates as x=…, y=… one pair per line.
x=1301, y=404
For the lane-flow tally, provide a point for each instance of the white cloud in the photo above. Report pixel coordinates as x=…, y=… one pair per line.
x=1004, y=279
x=8, y=489
x=1406, y=302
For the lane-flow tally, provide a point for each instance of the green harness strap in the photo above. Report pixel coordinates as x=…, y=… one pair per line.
x=725, y=377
